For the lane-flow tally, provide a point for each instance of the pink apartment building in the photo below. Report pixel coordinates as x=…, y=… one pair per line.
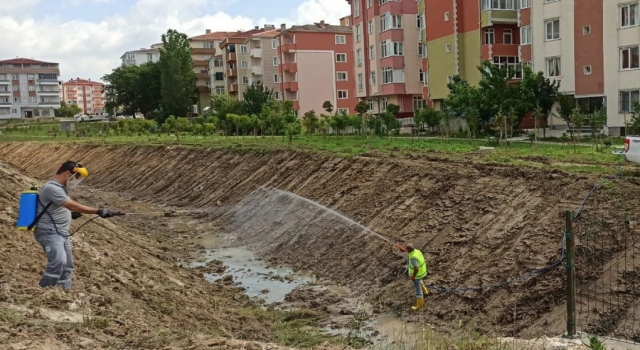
x=316, y=65
x=86, y=94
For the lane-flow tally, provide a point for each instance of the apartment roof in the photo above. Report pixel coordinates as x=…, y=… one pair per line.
x=239, y=37
x=23, y=61
x=268, y=34
x=213, y=36
x=319, y=27
x=82, y=81
x=141, y=51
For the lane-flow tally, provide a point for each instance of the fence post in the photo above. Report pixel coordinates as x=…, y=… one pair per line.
x=571, y=276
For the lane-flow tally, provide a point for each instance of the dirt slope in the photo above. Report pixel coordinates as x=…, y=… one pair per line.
x=478, y=224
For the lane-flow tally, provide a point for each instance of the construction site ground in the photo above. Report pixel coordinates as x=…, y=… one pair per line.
x=149, y=281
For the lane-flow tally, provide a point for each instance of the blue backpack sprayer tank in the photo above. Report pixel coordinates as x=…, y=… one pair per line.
x=27, y=212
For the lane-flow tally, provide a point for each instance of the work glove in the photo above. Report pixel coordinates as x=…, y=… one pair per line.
x=105, y=213
x=75, y=215
x=402, y=249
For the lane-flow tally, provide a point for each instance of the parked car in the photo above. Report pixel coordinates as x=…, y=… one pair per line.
x=632, y=149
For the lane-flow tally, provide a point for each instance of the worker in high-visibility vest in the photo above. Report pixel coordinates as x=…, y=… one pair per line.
x=417, y=268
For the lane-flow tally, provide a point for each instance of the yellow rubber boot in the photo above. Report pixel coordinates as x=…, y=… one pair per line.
x=425, y=291
x=419, y=304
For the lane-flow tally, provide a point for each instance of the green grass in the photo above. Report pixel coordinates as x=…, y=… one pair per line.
x=548, y=155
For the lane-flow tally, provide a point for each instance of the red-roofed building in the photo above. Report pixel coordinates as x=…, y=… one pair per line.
x=86, y=94
x=28, y=88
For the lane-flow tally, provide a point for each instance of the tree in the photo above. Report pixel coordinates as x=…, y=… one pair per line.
x=356, y=122
x=255, y=97
x=566, y=106
x=393, y=109
x=389, y=120
x=125, y=88
x=539, y=93
x=148, y=88
x=311, y=122
x=362, y=108
x=634, y=124
x=577, y=118
x=67, y=111
x=432, y=117
x=472, y=122
x=327, y=106
x=223, y=105
x=178, y=91
x=597, y=121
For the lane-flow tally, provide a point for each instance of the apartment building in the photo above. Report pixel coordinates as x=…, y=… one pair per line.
x=235, y=52
x=140, y=57
x=316, y=65
x=28, y=88
x=263, y=62
x=388, y=53
x=87, y=94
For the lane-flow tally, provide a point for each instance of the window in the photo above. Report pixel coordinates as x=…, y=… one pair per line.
x=244, y=65
x=507, y=37
x=447, y=48
x=356, y=8
x=359, y=57
x=547, y=1
x=277, y=78
x=219, y=90
x=385, y=102
x=629, y=58
x=370, y=25
x=390, y=48
x=47, y=76
x=388, y=21
x=207, y=45
x=360, y=82
x=489, y=36
x=382, y=2
x=418, y=103
x=449, y=79
x=525, y=4
x=276, y=95
x=245, y=80
x=525, y=35
x=33, y=88
x=342, y=94
x=390, y=75
x=373, y=78
x=217, y=62
x=421, y=76
x=341, y=40
x=343, y=111
x=358, y=33
x=372, y=52
x=30, y=77
x=16, y=88
x=425, y=77
x=506, y=62
x=553, y=67
x=421, y=49
x=276, y=61
x=553, y=29
x=275, y=43
x=243, y=49
x=629, y=15
x=149, y=57
x=341, y=57
x=341, y=76
x=32, y=99
x=370, y=104
x=219, y=76
x=369, y=3
x=16, y=99
x=499, y=4
x=419, y=18
x=628, y=99
x=14, y=111
x=14, y=76
x=587, y=70
x=586, y=30
x=446, y=16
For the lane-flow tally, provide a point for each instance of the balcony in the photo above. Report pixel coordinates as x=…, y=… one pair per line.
x=204, y=88
x=288, y=47
x=49, y=103
x=5, y=103
x=257, y=70
x=202, y=75
x=489, y=18
x=203, y=51
x=5, y=92
x=130, y=62
x=233, y=88
x=200, y=63
x=491, y=50
x=231, y=57
x=48, y=81
x=257, y=53
x=290, y=67
x=232, y=72
x=291, y=86
x=296, y=105
x=49, y=92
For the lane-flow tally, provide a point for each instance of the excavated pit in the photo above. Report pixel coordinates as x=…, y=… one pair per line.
x=477, y=224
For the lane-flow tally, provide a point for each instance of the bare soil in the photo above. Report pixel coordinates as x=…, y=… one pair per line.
x=477, y=224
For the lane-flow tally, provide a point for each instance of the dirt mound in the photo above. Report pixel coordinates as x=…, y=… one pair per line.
x=477, y=224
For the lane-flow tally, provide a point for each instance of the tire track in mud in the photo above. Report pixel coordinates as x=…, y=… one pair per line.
x=477, y=224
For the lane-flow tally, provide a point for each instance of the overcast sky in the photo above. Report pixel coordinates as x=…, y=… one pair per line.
x=87, y=37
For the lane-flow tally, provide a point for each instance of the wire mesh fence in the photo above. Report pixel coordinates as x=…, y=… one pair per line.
x=607, y=273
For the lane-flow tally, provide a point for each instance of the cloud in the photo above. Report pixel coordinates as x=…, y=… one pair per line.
x=92, y=49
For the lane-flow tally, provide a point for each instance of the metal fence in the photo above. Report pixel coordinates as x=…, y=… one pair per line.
x=603, y=273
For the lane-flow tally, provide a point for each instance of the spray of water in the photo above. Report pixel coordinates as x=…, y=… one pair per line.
x=278, y=217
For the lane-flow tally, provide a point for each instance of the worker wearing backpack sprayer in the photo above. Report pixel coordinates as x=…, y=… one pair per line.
x=54, y=211
x=417, y=267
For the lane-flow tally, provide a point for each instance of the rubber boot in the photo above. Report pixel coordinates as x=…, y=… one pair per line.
x=419, y=304
x=425, y=291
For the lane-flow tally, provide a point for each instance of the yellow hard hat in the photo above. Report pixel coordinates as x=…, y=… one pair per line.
x=81, y=170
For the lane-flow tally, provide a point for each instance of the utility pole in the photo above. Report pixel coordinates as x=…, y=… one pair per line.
x=571, y=276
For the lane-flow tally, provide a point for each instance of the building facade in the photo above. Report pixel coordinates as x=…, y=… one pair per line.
x=28, y=88
x=316, y=65
x=203, y=51
x=235, y=61
x=86, y=94
x=387, y=54
x=263, y=62
x=140, y=57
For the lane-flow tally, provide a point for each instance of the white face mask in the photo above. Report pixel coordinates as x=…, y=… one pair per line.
x=73, y=182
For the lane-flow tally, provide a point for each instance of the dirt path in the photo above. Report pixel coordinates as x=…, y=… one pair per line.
x=478, y=224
